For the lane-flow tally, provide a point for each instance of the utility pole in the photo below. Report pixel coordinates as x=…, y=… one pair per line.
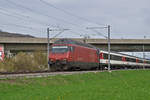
x=48, y=47
x=108, y=40
x=48, y=41
x=144, y=53
x=109, y=48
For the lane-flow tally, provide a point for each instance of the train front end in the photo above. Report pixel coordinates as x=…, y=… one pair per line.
x=59, y=57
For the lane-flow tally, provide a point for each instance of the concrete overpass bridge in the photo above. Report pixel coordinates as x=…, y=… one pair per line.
x=40, y=44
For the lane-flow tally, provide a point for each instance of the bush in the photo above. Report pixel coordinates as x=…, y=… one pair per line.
x=7, y=65
x=40, y=59
x=24, y=62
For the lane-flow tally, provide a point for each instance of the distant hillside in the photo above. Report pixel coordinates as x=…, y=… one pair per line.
x=6, y=34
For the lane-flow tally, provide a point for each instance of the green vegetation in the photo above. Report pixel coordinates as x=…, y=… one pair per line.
x=118, y=85
x=24, y=62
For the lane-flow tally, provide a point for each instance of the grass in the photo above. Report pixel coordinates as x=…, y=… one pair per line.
x=118, y=85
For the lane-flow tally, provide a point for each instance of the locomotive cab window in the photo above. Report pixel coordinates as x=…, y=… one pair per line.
x=59, y=49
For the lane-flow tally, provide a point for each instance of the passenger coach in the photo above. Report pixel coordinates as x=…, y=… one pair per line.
x=119, y=60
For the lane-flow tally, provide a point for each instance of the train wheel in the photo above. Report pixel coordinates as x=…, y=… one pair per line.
x=53, y=69
x=65, y=68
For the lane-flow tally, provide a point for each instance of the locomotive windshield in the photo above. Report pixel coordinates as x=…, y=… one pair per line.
x=60, y=49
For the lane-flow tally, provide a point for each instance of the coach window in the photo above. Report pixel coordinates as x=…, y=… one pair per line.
x=148, y=62
x=140, y=61
x=105, y=56
x=127, y=59
x=116, y=58
x=113, y=57
x=130, y=59
x=133, y=60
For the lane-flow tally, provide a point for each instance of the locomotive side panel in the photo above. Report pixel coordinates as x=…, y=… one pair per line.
x=85, y=58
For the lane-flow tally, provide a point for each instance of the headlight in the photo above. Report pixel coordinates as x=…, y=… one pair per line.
x=64, y=59
x=51, y=60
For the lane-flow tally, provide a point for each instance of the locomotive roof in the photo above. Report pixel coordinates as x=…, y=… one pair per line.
x=70, y=41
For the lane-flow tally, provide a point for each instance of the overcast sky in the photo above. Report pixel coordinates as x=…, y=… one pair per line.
x=128, y=18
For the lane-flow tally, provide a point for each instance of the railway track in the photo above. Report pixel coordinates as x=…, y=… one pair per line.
x=42, y=74
x=46, y=74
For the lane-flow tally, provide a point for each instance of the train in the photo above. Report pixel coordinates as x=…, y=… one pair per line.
x=68, y=54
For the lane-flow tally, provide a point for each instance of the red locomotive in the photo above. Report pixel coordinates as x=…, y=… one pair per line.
x=67, y=54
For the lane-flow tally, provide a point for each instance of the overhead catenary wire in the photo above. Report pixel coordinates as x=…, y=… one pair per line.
x=69, y=13
x=97, y=32
x=72, y=31
x=13, y=12
x=39, y=13
x=16, y=25
x=28, y=9
x=23, y=17
x=10, y=15
x=10, y=24
x=21, y=26
x=19, y=16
